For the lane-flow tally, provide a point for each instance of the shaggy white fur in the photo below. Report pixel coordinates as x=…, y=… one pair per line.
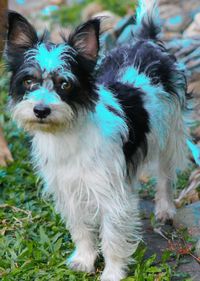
x=85, y=173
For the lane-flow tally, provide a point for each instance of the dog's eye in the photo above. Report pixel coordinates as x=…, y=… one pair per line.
x=28, y=82
x=66, y=85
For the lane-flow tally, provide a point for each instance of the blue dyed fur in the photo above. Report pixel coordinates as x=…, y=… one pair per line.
x=110, y=124
x=53, y=59
x=42, y=95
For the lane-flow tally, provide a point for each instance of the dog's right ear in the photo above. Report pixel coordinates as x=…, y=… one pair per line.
x=85, y=39
x=21, y=34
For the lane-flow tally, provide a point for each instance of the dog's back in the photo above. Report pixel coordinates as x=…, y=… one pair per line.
x=151, y=88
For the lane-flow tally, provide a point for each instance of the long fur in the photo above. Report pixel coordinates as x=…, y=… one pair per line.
x=101, y=131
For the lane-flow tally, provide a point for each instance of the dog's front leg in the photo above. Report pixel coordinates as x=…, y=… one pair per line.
x=85, y=253
x=119, y=237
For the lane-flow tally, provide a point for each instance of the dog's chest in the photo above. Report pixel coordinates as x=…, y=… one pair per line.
x=82, y=170
x=63, y=153
x=72, y=160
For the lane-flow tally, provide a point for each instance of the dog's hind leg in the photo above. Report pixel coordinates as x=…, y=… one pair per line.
x=164, y=206
x=173, y=157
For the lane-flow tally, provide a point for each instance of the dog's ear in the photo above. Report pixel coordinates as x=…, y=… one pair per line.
x=85, y=39
x=21, y=34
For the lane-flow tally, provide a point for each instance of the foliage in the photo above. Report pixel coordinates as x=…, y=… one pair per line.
x=72, y=14
x=147, y=270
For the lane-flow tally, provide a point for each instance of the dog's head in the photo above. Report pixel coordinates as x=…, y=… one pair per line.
x=51, y=83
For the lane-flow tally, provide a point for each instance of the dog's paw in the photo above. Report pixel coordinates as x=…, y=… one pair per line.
x=84, y=262
x=78, y=265
x=165, y=211
x=112, y=275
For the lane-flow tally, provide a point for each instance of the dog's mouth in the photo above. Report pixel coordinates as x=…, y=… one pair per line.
x=42, y=121
x=34, y=118
x=44, y=125
x=39, y=121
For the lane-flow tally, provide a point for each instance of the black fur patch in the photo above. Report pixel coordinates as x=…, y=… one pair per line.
x=149, y=58
x=137, y=118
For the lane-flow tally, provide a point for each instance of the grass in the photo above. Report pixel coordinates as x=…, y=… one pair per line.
x=34, y=243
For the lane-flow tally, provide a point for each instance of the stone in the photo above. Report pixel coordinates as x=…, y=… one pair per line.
x=162, y=2
x=169, y=10
x=169, y=35
x=156, y=243
x=194, y=28
x=177, y=22
x=187, y=50
x=195, y=88
x=190, y=7
x=191, y=267
x=189, y=217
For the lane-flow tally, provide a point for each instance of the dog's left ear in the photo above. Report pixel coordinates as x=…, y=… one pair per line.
x=85, y=39
x=21, y=34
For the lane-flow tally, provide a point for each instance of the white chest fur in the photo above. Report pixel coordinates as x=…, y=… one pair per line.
x=80, y=167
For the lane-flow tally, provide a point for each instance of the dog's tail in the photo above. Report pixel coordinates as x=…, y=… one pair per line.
x=148, y=23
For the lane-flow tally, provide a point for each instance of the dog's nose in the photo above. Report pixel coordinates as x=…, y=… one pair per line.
x=41, y=111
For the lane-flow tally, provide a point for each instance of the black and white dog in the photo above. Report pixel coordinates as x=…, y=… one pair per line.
x=92, y=134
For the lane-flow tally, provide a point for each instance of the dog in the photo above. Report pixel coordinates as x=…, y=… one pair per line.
x=93, y=132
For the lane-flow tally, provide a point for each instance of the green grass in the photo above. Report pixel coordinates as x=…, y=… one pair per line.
x=34, y=243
